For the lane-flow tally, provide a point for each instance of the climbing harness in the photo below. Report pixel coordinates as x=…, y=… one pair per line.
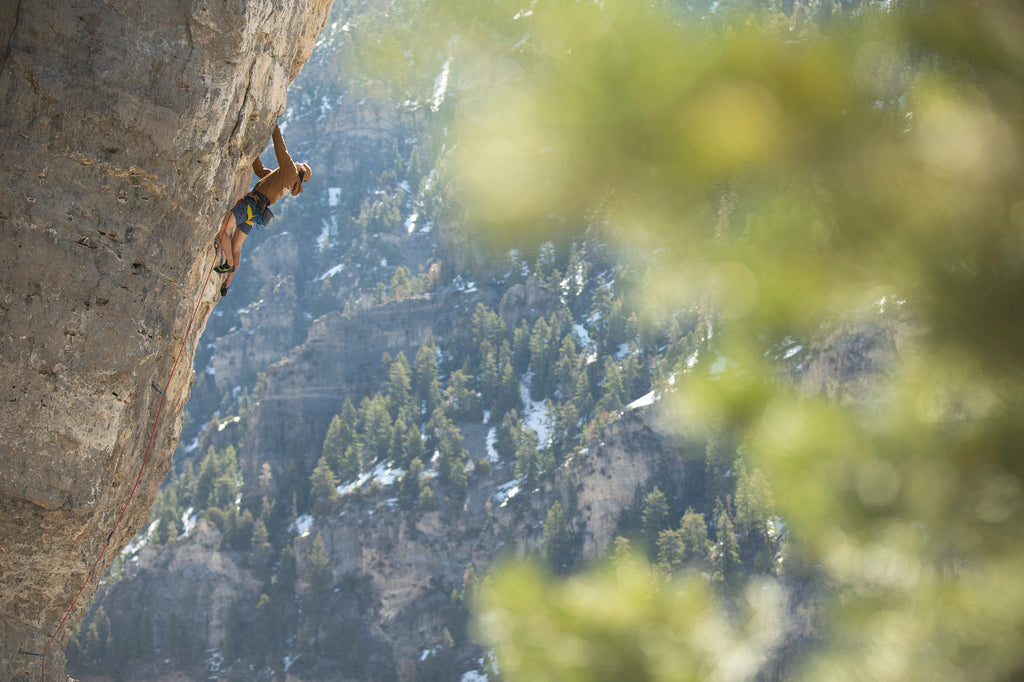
x=138, y=479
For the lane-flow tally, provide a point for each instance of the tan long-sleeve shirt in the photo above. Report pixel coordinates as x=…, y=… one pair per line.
x=274, y=184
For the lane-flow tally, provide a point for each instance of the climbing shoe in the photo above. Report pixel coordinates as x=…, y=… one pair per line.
x=223, y=292
x=224, y=268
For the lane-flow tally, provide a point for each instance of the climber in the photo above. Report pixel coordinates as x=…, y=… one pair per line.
x=254, y=207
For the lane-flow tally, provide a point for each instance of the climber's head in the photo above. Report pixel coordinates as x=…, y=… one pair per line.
x=305, y=173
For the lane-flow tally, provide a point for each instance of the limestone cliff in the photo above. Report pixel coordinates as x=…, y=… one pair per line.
x=130, y=127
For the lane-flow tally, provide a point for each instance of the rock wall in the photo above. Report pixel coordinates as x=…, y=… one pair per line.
x=130, y=127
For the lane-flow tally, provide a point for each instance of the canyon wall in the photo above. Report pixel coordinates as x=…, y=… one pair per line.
x=130, y=129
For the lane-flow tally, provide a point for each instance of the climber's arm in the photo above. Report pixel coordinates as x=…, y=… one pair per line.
x=284, y=159
x=259, y=169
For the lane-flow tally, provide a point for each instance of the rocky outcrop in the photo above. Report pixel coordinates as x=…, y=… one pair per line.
x=267, y=332
x=526, y=301
x=130, y=129
x=635, y=451
x=339, y=359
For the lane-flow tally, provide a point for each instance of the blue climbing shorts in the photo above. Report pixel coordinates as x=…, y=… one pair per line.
x=247, y=213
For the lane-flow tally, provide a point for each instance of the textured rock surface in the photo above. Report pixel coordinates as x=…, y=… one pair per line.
x=130, y=128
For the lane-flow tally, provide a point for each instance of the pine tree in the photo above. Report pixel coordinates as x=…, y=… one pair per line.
x=376, y=432
x=556, y=542
x=509, y=395
x=238, y=528
x=694, y=533
x=260, y=639
x=581, y=396
x=671, y=550
x=324, y=489
x=566, y=367
x=427, y=501
x=409, y=486
x=262, y=551
x=461, y=402
x=341, y=433
x=542, y=360
x=320, y=578
x=565, y=431
x=352, y=463
x=653, y=516
x=490, y=376
x=612, y=388
x=488, y=327
x=426, y=382
x=528, y=465
x=399, y=386
x=506, y=435
x=204, y=482
x=601, y=313
x=725, y=563
x=401, y=284
x=754, y=503
x=451, y=460
x=412, y=444
x=521, y=348
x=754, y=509
x=718, y=462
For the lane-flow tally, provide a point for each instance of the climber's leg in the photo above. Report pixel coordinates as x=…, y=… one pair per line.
x=223, y=243
x=236, y=252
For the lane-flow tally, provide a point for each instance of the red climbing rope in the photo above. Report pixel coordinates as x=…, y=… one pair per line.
x=145, y=459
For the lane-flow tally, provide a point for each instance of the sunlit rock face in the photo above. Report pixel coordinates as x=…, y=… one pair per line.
x=129, y=128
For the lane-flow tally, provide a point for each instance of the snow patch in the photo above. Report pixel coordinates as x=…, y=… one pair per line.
x=331, y=273
x=464, y=285
x=492, y=454
x=410, y=222
x=441, y=85
x=536, y=415
x=643, y=401
x=792, y=351
x=140, y=540
x=302, y=525
x=188, y=521
x=224, y=424
x=324, y=239
x=333, y=196
x=382, y=473
x=507, y=491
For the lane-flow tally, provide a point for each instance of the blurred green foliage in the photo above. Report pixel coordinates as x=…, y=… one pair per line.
x=800, y=172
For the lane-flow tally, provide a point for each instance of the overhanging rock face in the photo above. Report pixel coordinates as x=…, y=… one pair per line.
x=129, y=127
